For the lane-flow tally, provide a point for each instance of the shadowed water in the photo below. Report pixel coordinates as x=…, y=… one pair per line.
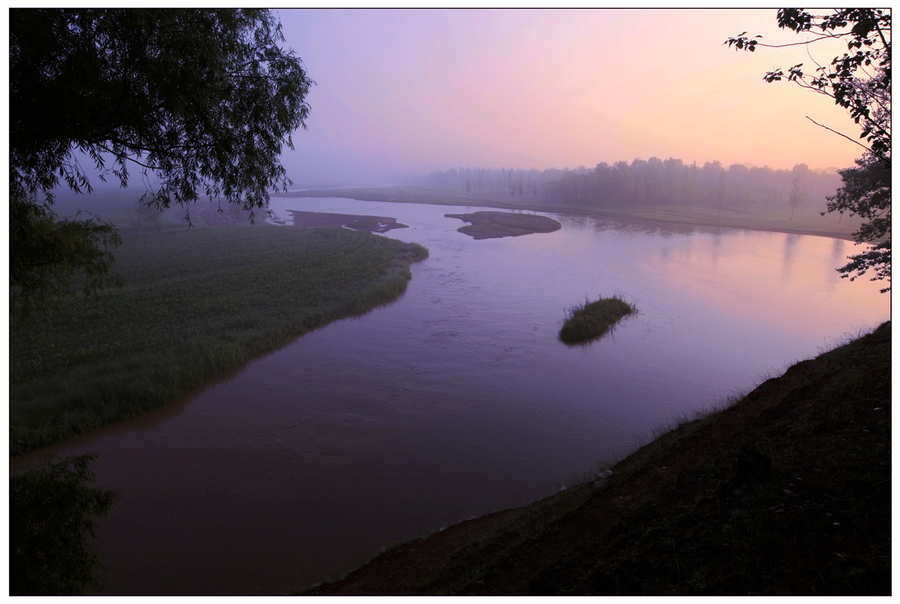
x=458, y=399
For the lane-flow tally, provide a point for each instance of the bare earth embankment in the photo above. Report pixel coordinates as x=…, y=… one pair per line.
x=785, y=492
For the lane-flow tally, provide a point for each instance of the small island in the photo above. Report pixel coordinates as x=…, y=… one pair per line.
x=488, y=225
x=593, y=320
x=371, y=224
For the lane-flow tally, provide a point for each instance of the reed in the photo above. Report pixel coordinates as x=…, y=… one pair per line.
x=592, y=320
x=195, y=304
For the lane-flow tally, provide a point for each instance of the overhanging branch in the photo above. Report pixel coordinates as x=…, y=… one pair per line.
x=838, y=133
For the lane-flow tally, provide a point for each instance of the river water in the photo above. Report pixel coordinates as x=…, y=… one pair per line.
x=457, y=399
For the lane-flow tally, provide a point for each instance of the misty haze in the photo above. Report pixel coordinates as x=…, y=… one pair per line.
x=473, y=302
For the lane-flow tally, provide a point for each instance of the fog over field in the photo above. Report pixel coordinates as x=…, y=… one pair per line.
x=400, y=93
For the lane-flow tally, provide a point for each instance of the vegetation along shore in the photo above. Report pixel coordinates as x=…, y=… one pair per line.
x=195, y=304
x=785, y=491
x=778, y=219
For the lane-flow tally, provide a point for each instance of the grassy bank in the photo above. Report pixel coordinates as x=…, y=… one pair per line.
x=593, y=320
x=786, y=491
x=195, y=304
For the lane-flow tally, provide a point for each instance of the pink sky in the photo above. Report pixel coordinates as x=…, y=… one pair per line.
x=400, y=92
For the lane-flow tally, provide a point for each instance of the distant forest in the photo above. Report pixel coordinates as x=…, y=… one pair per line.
x=655, y=182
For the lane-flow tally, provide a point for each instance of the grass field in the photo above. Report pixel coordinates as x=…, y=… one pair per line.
x=195, y=304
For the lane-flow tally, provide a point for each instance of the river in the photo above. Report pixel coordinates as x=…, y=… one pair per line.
x=457, y=399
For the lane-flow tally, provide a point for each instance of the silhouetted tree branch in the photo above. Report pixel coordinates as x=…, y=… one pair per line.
x=202, y=99
x=860, y=82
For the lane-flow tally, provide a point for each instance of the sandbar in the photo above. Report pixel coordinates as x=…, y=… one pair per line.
x=488, y=225
x=809, y=223
x=372, y=224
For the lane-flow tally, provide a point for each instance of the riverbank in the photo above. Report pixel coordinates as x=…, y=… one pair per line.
x=787, y=491
x=196, y=303
x=781, y=220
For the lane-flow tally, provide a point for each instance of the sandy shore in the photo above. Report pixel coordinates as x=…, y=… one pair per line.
x=809, y=222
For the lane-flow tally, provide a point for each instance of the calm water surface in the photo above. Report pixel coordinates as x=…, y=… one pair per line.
x=458, y=399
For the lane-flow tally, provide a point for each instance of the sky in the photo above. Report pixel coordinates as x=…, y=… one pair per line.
x=402, y=92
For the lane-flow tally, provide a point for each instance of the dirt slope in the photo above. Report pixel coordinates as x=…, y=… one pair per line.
x=786, y=492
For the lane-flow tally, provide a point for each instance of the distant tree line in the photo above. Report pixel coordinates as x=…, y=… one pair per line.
x=653, y=182
x=496, y=184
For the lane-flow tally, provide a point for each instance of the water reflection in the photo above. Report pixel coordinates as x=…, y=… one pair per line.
x=716, y=248
x=147, y=422
x=837, y=251
x=458, y=399
x=637, y=226
x=790, y=242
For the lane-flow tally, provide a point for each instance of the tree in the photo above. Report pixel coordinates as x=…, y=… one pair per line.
x=198, y=101
x=867, y=192
x=46, y=254
x=52, y=511
x=860, y=82
x=797, y=197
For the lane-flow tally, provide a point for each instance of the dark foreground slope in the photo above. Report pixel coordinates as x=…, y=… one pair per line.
x=788, y=491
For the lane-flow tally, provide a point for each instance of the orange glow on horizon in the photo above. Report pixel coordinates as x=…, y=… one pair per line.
x=436, y=89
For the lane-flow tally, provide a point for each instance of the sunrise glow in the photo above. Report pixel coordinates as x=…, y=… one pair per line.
x=400, y=91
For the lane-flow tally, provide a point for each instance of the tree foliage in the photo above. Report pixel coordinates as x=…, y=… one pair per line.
x=52, y=511
x=651, y=182
x=859, y=81
x=867, y=192
x=47, y=254
x=199, y=101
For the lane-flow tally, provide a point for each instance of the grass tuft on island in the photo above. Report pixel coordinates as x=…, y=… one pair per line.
x=593, y=320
